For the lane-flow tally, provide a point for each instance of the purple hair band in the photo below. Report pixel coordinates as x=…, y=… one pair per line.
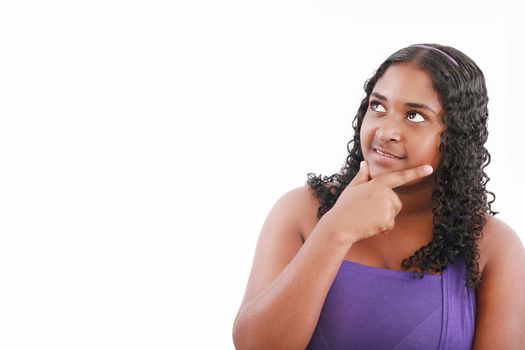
x=440, y=51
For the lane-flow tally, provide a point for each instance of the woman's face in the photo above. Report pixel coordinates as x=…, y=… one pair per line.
x=404, y=119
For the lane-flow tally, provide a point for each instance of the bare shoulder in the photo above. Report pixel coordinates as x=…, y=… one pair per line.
x=279, y=240
x=309, y=205
x=305, y=200
x=500, y=299
x=301, y=203
x=498, y=238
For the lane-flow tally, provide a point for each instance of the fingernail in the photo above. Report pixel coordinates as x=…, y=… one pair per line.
x=361, y=165
x=428, y=169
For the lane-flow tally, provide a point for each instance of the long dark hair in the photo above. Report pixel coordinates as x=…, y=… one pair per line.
x=460, y=197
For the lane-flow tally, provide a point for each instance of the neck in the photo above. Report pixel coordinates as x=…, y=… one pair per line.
x=414, y=222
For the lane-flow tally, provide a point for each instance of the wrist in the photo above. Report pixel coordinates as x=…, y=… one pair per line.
x=326, y=225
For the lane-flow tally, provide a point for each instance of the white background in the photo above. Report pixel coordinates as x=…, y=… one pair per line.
x=143, y=143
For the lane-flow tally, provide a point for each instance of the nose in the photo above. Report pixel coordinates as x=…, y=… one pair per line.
x=389, y=129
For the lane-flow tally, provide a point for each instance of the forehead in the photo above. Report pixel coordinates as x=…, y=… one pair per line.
x=402, y=83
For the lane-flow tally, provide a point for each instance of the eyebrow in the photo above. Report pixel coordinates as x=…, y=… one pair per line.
x=409, y=104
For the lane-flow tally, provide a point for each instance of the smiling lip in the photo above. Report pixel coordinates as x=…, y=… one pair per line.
x=382, y=160
x=375, y=149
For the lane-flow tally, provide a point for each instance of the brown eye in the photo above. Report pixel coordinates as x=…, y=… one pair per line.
x=375, y=103
x=413, y=113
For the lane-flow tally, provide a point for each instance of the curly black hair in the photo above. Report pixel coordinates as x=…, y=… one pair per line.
x=460, y=195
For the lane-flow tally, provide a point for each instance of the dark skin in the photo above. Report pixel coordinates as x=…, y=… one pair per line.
x=392, y=125
x=300, y=255
x=404, y=118
x=410, y=133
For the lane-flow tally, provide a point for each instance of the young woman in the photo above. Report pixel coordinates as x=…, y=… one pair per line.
x=389, y=254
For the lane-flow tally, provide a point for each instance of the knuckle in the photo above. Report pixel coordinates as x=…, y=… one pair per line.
x=398, y=203
x=393, y=216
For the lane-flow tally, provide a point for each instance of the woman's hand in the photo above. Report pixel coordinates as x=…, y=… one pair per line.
x=368, y=207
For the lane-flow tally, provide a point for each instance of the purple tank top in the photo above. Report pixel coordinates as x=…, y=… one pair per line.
x=370, y=308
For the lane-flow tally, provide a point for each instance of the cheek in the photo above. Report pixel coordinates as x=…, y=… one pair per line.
x=427, y=151
x=367, y=121
x=364, y=133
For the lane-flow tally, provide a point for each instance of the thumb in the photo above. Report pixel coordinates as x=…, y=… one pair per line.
x=363, y=175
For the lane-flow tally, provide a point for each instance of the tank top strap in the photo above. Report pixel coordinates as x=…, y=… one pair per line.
x=459, y=308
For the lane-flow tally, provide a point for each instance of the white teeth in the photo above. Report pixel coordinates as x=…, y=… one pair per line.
x=386, y=155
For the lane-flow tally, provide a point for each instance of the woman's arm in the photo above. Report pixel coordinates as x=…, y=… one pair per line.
x=289, y=280
x=500, y=320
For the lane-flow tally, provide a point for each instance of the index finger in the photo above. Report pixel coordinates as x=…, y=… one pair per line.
x=401, y=177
